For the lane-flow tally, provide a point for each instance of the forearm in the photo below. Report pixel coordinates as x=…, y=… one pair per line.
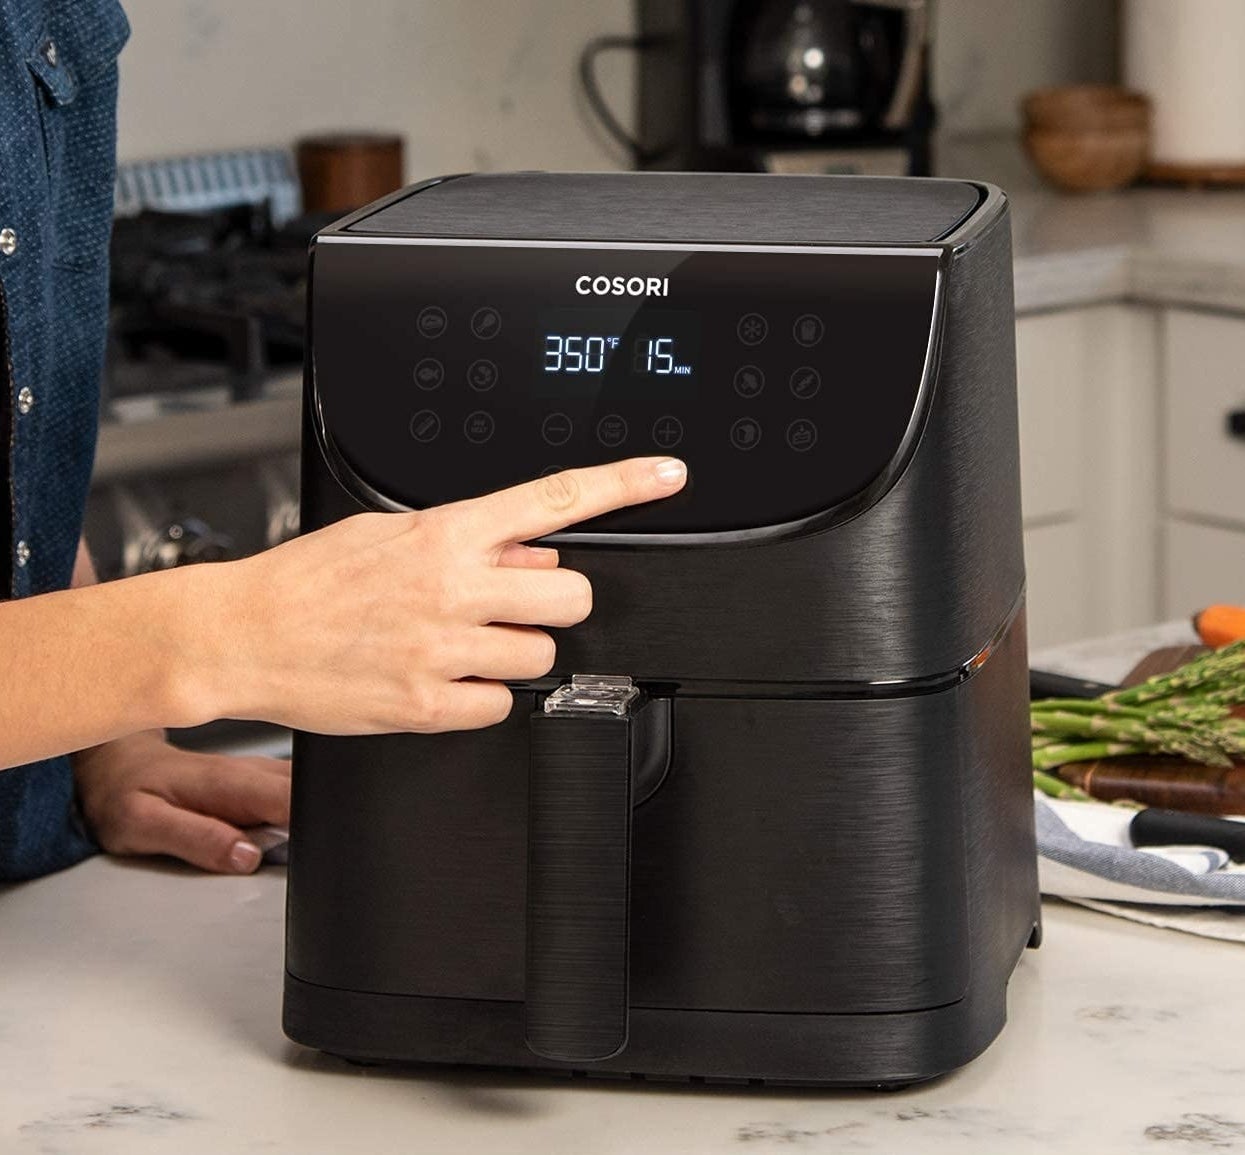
x=84, y=574
x=374, y=624
x=87, y=665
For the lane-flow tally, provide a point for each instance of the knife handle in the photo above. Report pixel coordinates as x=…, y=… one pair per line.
x=1046, y=684
x=1155, y=827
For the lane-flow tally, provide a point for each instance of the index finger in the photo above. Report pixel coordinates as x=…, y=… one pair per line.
x=551, y=503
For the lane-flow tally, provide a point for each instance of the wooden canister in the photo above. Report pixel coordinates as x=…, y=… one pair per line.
x=343, y=171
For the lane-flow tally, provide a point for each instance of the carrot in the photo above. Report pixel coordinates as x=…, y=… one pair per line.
x=1219, y=625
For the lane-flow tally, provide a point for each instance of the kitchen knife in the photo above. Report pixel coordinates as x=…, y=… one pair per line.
x=1155, y=827
x=1045, y=684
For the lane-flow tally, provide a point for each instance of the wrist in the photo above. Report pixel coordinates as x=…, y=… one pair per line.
x=203, y=660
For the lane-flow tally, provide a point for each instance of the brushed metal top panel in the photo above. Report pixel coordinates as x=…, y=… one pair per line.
x=710, y=208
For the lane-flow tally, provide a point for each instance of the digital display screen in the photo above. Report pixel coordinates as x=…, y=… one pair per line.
x=651, y=351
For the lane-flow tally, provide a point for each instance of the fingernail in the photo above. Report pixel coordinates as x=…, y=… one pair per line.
x=670, y=470
x=244, y=857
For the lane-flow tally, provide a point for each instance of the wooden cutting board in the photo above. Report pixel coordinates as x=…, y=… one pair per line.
x=1158, y=779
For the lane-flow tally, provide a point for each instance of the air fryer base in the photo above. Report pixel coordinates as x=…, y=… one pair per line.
x=878, y=1051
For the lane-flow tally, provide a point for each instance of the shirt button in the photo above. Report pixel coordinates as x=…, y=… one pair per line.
x=25, y=400
x=22, y=553
x=8, y=242
x=50, y=54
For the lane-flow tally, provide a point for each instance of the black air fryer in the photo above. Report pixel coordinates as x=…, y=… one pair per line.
x=770, y=817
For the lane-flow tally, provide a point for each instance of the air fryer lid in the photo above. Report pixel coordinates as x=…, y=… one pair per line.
x=706, y=208
x=789, y=377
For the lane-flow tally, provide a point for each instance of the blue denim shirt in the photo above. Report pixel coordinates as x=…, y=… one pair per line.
x=58, y=93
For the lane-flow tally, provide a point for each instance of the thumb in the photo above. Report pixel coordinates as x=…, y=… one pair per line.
x=152, y=825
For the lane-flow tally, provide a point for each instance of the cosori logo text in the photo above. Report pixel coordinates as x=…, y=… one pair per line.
x=590, y=286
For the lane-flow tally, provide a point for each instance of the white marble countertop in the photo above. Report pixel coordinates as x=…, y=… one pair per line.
x=1160, y=246
x=1147, y=246
x=140, y=1013
x=1109, y=659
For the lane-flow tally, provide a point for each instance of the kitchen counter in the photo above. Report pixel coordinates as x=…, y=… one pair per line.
x=140, y=1012
x=1146, y=246
x=140, y=1008
x=1161, y=246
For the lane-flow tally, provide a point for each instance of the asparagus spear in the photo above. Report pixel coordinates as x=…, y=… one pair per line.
x=1186, y=712
x=1049, y=757
x=1197, y=744
x=1054, y=787
x=1225, y=666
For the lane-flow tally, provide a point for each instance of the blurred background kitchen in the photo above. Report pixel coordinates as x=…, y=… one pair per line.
x=1131, y=303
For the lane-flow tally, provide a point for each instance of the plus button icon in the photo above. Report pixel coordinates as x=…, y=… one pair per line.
x=667, y=432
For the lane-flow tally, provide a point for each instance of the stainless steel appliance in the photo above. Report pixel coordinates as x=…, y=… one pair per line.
x=770, y=817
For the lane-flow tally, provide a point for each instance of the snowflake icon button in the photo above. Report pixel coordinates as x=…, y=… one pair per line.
x=752, y=328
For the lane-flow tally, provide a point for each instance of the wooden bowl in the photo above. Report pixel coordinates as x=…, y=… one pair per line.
x=1103, y=106
x=1087, y=137
x=1089, y=159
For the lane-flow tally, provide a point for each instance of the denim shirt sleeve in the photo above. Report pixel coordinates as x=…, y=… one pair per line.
x=58, y=91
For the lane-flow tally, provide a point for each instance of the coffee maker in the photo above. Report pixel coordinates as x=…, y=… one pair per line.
x=782, y=85
x=770, y=816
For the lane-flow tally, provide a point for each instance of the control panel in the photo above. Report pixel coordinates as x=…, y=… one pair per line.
x=785, y=378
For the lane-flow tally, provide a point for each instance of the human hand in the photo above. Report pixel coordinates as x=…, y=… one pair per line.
x=407, y=621
x=140, y=795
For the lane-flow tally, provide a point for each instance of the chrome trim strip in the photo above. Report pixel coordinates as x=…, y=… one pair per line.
x=931, y=249
x=816, y=691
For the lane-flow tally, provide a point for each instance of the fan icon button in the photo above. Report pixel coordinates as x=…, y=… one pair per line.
x=752, y=328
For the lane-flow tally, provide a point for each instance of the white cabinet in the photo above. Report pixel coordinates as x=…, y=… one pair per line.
x=1204, y=474
x=1056, y=568
x=1052, y=355
x=1204, y=565
x=1133, y=483
x=1204, y=381
x=1088, y=392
